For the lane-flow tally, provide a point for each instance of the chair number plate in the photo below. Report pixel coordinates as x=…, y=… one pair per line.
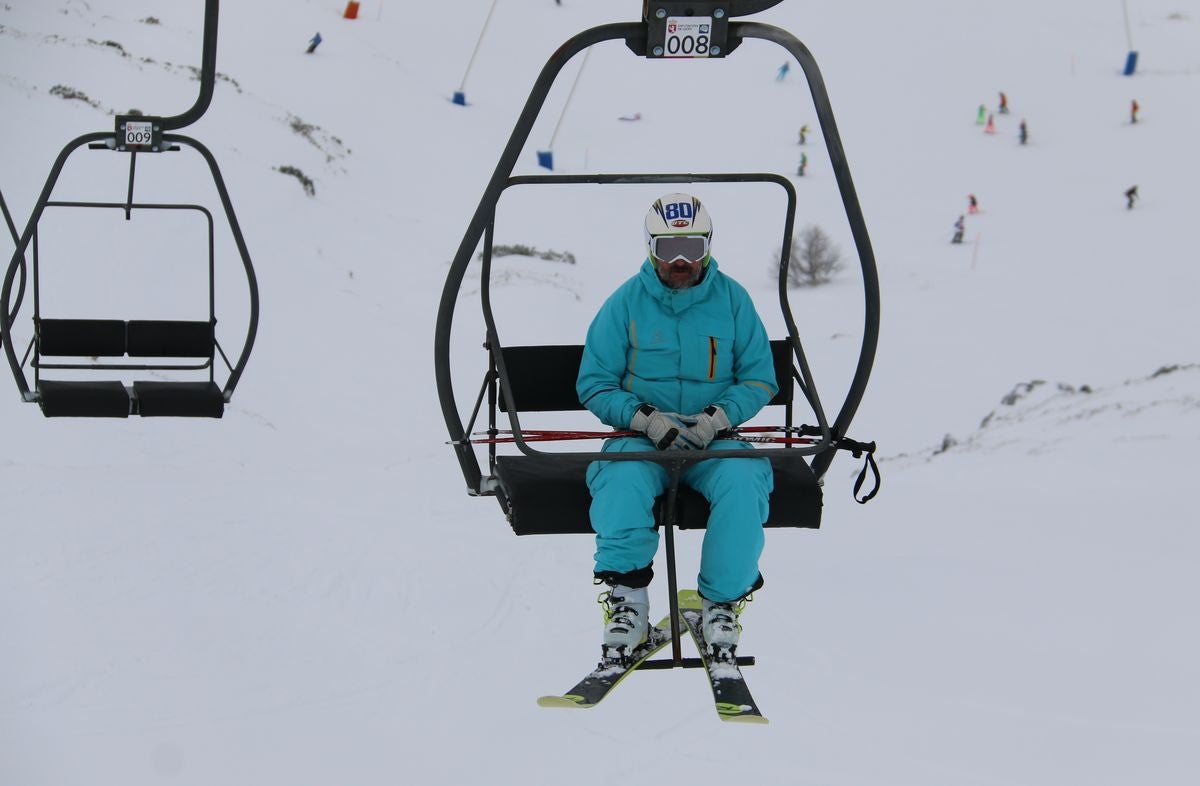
x=688, y=36
x=139, y=132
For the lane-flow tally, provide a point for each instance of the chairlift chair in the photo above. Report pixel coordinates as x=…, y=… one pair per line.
x=544, y=492
x=78, y=345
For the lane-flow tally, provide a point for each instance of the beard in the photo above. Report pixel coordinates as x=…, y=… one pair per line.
x=679, y=275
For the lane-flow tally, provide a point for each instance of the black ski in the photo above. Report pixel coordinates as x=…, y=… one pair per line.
x=600, y=682
x=730, y=692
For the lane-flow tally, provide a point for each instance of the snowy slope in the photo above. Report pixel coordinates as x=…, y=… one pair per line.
x=301, y=593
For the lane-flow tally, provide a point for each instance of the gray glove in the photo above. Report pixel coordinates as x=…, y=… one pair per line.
x=663, y=428
x=705, y=427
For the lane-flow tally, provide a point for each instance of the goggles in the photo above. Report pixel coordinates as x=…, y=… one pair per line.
x=668, y=248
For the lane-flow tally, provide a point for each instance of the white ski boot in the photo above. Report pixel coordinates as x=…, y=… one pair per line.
x=626, y=620
x=719, y=624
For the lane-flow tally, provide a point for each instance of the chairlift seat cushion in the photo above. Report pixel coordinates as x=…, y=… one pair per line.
x=548, y=495
x=91, y=399
x=795, y=502
x=169, y=338
x=81, y=337
x=178, y=399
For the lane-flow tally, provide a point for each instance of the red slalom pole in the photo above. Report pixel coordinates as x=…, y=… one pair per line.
x=756, y=435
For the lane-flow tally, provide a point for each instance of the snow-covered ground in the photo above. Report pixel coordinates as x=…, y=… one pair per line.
x=301, y=593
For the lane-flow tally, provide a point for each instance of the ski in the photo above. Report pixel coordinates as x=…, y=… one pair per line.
x=730, y=692
x=589, y=691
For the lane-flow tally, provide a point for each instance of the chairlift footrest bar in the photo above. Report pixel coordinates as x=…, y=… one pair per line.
x=690, y=663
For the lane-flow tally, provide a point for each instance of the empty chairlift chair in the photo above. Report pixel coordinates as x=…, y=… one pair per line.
x=95, y=349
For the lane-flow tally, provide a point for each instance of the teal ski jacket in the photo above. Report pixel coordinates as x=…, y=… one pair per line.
x=679, y=350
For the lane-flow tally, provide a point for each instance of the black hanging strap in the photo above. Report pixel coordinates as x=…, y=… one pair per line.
x=858, y=449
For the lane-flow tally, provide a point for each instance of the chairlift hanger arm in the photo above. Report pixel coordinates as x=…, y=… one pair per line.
x=475, y=229
x=18, y=258
x=208, y=72
x=854, y=215
x=12, y=228
x=135, y=132
x=16, y=238
x=251, y=278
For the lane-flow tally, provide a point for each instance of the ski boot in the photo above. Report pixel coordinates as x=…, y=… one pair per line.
x=626, y=622
x=721, y=629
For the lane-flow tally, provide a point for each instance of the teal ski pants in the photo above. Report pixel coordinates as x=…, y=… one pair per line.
x=738, y=493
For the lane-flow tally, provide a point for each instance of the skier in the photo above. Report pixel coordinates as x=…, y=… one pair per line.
x=960, y=226
x=803, y=165
x=1133, y=110
x=804, y=133
x=1023, y=133
x=783, y=72
x=313, y=43
x=678, y=337
x=1003, y=103
x=1131, y=196
x=990, y=128
x=972, y=204
x=981, y=115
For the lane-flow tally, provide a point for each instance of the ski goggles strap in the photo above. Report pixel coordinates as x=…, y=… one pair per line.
x=668, y=248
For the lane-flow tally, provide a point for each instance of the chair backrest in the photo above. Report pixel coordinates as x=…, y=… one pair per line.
x=115, y=338
x=542, y=378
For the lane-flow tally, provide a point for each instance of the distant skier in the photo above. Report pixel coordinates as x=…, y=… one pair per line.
x=631, y=118
x=1003, y=103
x=783, y=72
x=803, y=165
x=960, y=226
x=1023, y=134
x=990, y=128
x=981, y=115
x=1133, y=110
x=804, y=133
x=1131, y=196
x=313, y=43
x=972, y=204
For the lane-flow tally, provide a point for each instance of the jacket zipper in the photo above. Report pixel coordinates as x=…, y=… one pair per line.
x=712, y=357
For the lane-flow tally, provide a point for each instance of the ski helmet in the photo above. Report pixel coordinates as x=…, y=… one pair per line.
x=677, y=225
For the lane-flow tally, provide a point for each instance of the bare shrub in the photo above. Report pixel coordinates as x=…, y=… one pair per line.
x=814, y=258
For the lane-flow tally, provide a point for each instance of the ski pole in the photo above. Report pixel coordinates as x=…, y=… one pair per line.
x=803, y=430
x=552, y=436
x=572, y=433
x=556, y=436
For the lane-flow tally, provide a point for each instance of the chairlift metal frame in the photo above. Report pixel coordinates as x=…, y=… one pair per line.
x=136, y=134
x=646, y=39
